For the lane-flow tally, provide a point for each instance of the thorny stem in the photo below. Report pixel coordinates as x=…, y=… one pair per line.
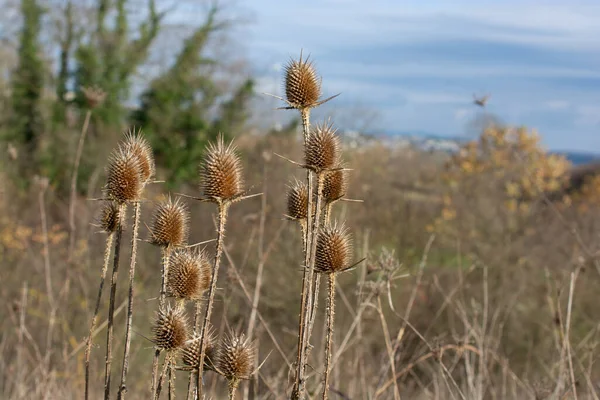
x=72, y=226
x=111, y=305
x=330, y=321
x=223, y=209
x=313, y=290
x=166, y=254
x=299, y=381
x=88, y=348
x=197, y=319
x=134, y=240
x=233, y=385
x=163, y=374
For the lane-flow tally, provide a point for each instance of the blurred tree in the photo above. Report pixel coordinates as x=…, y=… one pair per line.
x=177, y=110
x=28, y=81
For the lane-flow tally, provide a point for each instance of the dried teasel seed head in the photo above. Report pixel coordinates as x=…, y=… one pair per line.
x=94, y=96
x=335, y=186
x=139, y=146
x=334, y=249
x=109, y=218
x=302, y=85
x=322, y=150
x=170, y=224
x=189, y=274
x=191, y=352
x=221, y=172
x=236, y=357
x=170, y=329
x=123, y=182
x=297, y=201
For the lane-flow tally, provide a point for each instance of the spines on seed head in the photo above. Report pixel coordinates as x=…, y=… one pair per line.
x=221, y=172
x=170, y=329
x=170, y=224
x=322, y=149
x=297, y=200
x=139, y=146
x=302, y=85
x=124, y=181
x=236, y=357
x=334, y=249
x=189, y=274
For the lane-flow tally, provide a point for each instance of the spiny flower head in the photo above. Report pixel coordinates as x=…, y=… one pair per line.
x=139, y=146
x=110, y=216
x=170, y=223
x=236, y=357
x=297, y=201
x=334, y=249
x=124, y=181
x=191, y=352
x=302, y=85
x=322, y=149
x=189, y=274
x=335, y=185
x=221, y=172
x=94, y=96
x=170, y=329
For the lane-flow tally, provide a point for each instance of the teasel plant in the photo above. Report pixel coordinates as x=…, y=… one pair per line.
x=221, y=183
x=333, y=255
x=137, y=145
x=169, y=231
x=109, y=221
x=302, y=87
x=124, y=185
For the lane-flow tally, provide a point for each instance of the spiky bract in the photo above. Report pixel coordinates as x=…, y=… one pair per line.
x=124, y=181
x=335, y=186
x=170, y=224
x=297, y=201
x=170, y=329
x=334, y=249
x=191, y=351
x=109, y=217
x=302, y=85
x=189, y=274
x=221, y=172
x=236, y=356
x=139, y=146
x=94, y=96
x=322, y=150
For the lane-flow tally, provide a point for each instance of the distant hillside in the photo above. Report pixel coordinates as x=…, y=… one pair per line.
x=430, y=141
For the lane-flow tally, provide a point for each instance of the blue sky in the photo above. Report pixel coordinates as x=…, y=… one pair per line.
x=415, y=65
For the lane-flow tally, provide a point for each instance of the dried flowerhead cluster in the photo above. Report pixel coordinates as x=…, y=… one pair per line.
x=124, y=182
x=221, y=172
x=170, y=224
x=322, y=149
x=94, y=96
x=334, y=249
x=110, y=217
x=297, y=201
x=236, y=357
x=302, y=85
x=170, y=329
x=136, y=144
x=189, y=274
x=191, y=352
x=335, y=186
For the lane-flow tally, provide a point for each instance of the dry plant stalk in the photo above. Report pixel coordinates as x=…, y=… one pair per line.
x=109, y=221
x=170, y=229
x=221, y=182
x=136, y=145
x=124, y=185
x=333, y=255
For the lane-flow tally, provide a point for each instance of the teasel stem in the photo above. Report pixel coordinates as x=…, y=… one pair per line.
x=134, y=240
x=314, y=295
x=171, y=380
x=166, y=254
x=88, y=348
x=111, y=305
x=192, y=380
x=233, y=385
x=299, y=381
x=163, y=374
x=330, y=322
x=223, y=210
